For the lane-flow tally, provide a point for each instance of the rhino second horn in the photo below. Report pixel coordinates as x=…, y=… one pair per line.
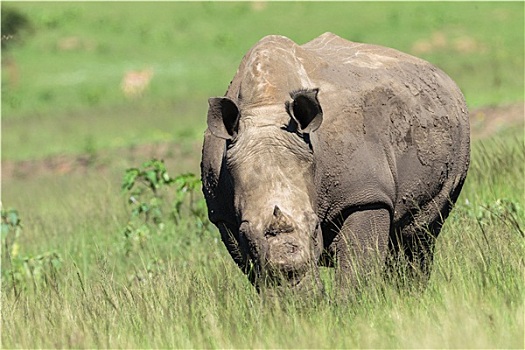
x=277, y=212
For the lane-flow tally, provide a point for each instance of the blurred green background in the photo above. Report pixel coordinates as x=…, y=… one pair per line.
x=64, y=67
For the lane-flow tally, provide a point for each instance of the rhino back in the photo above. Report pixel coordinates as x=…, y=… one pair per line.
x=395, y=129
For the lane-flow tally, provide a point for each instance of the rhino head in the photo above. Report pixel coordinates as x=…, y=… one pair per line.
x=269, y=161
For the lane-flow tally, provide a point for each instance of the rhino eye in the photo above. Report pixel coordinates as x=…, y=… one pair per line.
x=293, y=128
x=306, y=138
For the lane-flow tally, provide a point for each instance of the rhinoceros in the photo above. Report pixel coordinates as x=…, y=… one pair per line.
x=332, y=153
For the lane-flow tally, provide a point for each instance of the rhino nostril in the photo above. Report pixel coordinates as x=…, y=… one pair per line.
x=271, y=233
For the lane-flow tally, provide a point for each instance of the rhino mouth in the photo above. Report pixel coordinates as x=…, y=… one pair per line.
x=287, y=255
x=289, y=264
x=283, y=262
x=279, y=283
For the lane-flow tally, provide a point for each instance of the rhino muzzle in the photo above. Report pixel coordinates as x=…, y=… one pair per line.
x=284, y=252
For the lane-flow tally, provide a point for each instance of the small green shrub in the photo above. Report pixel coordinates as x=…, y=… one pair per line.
x=150, y=191
x=20, y=271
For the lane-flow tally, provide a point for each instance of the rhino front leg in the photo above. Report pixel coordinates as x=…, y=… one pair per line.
x=361, y=246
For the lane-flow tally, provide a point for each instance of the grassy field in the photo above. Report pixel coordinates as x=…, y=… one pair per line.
x=72, y=278
x=181, y=289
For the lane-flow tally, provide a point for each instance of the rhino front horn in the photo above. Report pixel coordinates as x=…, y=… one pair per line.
x=280, y=223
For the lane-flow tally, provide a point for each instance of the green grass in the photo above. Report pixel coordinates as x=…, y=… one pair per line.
x=65, y=95
x=180, y=289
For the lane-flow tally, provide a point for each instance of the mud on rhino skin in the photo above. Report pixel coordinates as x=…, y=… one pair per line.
x=332, y=152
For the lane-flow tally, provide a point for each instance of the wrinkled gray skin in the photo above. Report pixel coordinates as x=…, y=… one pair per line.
x=332, y=150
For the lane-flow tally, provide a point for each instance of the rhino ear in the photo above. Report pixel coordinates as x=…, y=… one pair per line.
x=306, y=110
x=223, y=117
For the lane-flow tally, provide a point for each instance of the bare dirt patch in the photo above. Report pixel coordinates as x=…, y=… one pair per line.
x=179, y=158
x=484, y=123
x=487, y=121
